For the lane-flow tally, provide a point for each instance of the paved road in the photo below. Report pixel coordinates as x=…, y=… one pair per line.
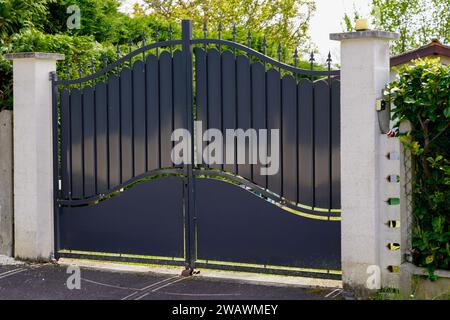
x=49, y=281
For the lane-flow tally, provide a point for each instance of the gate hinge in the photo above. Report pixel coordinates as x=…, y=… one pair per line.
x=53, y=76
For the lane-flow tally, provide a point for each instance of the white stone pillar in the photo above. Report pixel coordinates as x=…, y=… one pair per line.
x=364, y=73
x=33, y=154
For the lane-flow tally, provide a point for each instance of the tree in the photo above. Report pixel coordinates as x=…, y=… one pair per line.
x=417, y=21
x=17, y=14
x=284, y=21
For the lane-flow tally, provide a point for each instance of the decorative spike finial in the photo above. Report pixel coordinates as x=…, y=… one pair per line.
x=329, y=60
x=311, y=57
x=144, y=38
x=279, y=51
x=118, y=51
x=295, y=57
x=234, y=32
x=264, y=44
x=171, y=37
x=105, y=60
x=92, y=65
x=130, y=44
x=219, y=33
x=68, y=72
x=249, y=39
x=205, y=29
x=143, y=44
x=80, y=70
x=157, y=39
x=311, y=61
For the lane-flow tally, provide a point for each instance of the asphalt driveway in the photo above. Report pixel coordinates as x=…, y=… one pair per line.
x=49, y=281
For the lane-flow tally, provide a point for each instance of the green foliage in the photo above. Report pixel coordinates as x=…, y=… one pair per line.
x=40, y=25
x=285, y=21
x=417, y=21
x=422, y=98
x=17, y=14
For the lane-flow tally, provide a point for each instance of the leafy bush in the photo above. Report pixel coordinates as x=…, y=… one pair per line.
x=422, y=96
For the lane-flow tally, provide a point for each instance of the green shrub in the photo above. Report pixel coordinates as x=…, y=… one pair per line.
x=422, y=96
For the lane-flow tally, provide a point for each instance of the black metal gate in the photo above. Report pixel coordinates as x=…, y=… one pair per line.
x=120, y=197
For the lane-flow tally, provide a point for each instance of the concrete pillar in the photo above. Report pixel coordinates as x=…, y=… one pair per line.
x=364, y=73
x=6, y=183
x=33, y=155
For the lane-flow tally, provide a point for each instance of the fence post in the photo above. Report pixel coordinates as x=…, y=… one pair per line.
x=6, y=183
x=364, y=72
x=186, y=28
x=33, y=154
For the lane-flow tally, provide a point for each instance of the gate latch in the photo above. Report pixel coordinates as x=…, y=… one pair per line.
x=383, y=107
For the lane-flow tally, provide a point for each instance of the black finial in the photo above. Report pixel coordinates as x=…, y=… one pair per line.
x=205, y=30
x=143, y=38
x=311, y=60
x=219, y=30
x=143, y=44
x=171, y=37
x=68, y=72
x=295, y=57
x=264, y=44
x=249, y=39
x=329, y=61
x=219, y=33
x=92, y=66
x=105, y=60
x=234, y=32
x=118, y=51
x=279, y=51
x=80, y=70
x=157, y=39
x=130, y=44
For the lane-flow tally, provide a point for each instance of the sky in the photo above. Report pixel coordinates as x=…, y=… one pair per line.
x=327, y=19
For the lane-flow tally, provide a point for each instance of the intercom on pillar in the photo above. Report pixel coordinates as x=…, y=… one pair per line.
x=383, y=107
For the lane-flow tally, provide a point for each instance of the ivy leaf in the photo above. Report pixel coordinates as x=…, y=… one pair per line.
x=409, y=100
x=429, y=259
x=447, y=112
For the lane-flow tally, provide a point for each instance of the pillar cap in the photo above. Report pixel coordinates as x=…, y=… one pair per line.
x=34, y=55
x=386, y=35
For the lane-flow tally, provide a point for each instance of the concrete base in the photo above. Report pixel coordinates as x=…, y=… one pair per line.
x=414, y=283
x=6, y=183
x=247, y=277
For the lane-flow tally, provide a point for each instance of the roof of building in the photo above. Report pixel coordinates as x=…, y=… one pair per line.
x=433, y=48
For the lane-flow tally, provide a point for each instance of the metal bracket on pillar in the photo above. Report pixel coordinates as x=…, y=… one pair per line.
x=383, y=107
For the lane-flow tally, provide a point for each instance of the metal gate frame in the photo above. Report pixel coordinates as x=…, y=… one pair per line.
x=189, y=171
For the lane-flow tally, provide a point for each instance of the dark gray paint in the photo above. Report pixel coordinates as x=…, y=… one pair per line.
x=118, y=132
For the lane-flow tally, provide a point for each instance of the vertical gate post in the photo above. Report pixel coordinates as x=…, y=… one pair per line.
x=33, y=154
x=6, y=183
x=364, y=73
x=186, y=29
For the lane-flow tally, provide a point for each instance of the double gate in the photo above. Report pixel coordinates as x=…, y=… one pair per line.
x=119, y=196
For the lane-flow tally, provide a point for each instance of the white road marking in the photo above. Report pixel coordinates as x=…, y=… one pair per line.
x=334, y=293
x=160, y=287
x=108, y=285
x=11, y=273
x=201, y=294
x=149, y=287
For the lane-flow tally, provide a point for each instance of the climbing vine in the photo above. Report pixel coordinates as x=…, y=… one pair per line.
x=422, y=97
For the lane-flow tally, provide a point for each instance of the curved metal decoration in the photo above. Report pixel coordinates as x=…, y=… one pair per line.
x=265, y=58
x=248, y=230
